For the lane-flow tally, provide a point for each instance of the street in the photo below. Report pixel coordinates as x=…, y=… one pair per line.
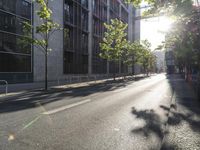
x=134, y=115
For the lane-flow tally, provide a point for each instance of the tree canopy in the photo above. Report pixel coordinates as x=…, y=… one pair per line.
x=115, y=47
x=114, y=40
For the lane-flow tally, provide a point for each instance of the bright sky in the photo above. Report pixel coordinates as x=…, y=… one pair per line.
x=153, y=30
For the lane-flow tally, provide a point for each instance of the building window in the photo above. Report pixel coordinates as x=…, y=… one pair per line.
x=68, y=62
x=84, y=19
x=11, y=23
x=25, y=10
x=96, y=26
x=84, y=43
x=15, y=53
x=68, y=39
x=124, y=15
x=84, y=3
x=9, y=5
x=76, y=39
x=19, y=7
x=68, y=10
x=14, y=63
x=1, y=41
x=14, y=44
x=95, y=5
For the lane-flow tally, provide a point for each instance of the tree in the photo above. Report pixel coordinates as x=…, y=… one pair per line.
x=45, y=30
x=172, y=7
x=131, y=54
x=114, y=41
x=146, y=56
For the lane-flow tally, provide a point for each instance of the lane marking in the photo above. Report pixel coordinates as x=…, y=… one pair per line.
x=120, y=90
x=116, y=129
x=50, y=112
x=24, y=98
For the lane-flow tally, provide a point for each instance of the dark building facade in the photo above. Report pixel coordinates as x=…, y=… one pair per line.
x=76, y=37
x=15, y=56
x=76, y=21
x=75, y=50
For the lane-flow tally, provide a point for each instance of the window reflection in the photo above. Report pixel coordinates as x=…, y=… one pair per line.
x=15, y=53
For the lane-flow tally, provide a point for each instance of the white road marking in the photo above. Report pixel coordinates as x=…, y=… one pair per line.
x=24, y=98
x=54, y=95
x=50, y=112
x=120, y=90
x=116, y=129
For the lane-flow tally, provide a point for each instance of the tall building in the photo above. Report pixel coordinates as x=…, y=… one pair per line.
x=75, y=51
x=15, y=57
x=160, y=61
x=170, y=61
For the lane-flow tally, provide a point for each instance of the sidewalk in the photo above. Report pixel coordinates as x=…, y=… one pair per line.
x=14, y=89
x=183, y=126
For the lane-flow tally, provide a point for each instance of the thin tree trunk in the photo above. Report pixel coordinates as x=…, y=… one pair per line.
x=133, y=69
x=46, y=56
x=46, y=78
x=114, y=75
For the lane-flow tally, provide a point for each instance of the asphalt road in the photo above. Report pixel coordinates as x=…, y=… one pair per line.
x=116, y=116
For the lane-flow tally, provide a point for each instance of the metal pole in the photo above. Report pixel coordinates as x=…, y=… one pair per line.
x=6, y=83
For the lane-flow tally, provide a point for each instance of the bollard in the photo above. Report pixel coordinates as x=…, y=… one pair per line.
x=6, y=83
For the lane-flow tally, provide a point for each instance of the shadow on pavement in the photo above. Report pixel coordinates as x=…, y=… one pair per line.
x=38, y=97
x=152, y=123
x=190, y=113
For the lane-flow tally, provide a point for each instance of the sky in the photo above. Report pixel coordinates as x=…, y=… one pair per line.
x=153, y=29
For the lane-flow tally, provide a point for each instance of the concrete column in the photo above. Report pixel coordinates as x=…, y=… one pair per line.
x=90, y=20
x=55, y=57
x=108, y=20
x=130, y=23
x=137, y=25
x=120, y=15
x=130, y=30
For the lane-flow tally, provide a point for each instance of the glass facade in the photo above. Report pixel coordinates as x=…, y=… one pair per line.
x=99, y=18
x=76, y=37
x=115, y=12
x=15, y=55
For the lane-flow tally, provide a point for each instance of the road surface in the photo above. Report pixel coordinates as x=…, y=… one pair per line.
x=130, y=115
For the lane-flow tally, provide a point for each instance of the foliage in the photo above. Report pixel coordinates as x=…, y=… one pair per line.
x=172, y=7
x=147, y=59
x=139, y=53
x=184, y=37
x=115, y=47
x=45, y=29
x=114, y=40
x=131, y=53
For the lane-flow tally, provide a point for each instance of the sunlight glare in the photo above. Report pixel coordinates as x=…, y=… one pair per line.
x=164, y=24
x=154, y=29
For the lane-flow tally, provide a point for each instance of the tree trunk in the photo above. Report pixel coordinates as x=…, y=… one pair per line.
x=46, y=78
x=133, y=69
x=114, y=75
x=46, y=61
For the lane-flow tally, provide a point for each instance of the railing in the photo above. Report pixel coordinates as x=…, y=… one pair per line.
x=6, y=83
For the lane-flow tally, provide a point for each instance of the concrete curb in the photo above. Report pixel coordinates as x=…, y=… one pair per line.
x=65, y=86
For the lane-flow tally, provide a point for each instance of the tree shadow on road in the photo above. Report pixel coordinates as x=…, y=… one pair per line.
x=152, y=123
x=186, y=109
x=37, y=98
x=154, y=126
